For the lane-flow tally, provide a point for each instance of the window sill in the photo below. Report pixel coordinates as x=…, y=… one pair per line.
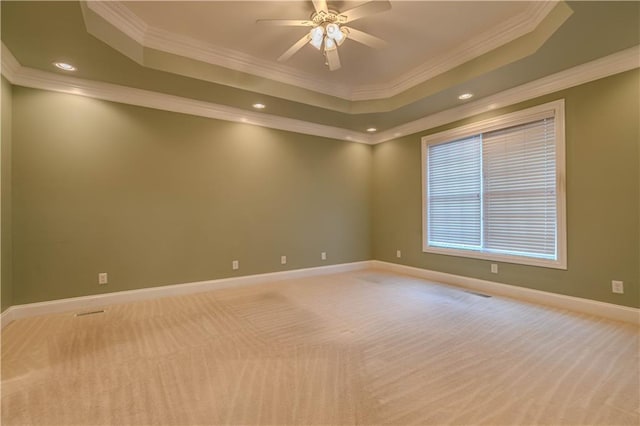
x=519, y=260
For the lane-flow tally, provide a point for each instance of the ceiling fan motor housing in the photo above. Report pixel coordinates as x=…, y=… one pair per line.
x=330, y=17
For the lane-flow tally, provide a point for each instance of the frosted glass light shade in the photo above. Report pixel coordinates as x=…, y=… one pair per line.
x=316, y=32
x=316, y=42
x=334, y=32
x=329, y=44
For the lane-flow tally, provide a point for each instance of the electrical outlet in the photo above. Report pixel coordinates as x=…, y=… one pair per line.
x=235, y=265
x=283, y=260
x=494, y=268
x=323, y=255
x=103, y=278
x=398, y=253
x=617, y=287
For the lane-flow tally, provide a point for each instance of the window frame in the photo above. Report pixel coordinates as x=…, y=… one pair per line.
x=552, y=109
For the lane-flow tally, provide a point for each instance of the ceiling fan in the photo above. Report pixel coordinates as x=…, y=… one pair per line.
x=328, y=30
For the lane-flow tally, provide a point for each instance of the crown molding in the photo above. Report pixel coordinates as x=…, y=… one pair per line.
x=622, y=61
x=122, y=18
x=37, y=79
x=10, y=65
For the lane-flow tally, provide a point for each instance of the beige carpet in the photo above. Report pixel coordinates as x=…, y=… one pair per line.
x=357, y=348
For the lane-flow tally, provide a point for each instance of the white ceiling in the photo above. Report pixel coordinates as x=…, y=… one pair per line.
x=425, y=37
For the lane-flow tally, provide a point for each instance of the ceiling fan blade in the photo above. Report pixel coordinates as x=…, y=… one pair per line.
x=285, y=22
x=320, y=5
x=366, y=39
x=293, y=49
x=333, y=59
x=365, y=10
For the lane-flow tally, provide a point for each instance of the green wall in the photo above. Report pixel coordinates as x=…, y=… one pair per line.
x=6, y=298
x=603, y=192
x=155, y=198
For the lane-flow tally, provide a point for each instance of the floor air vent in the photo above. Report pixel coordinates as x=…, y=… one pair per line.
x=478, y=294
x=82, y=314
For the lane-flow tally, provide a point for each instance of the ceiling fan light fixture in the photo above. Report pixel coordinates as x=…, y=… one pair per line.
x=330, y=44
x=316, y=32
x=336, y=33
x=317, y=35
x=342, y=35
x=316, y=42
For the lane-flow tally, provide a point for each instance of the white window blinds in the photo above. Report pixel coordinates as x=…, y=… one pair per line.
x=495, y=192
x=455, y=207
x=520, y=190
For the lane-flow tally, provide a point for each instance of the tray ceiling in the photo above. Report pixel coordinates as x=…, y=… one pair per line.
x=215, y=52
x=419, y=34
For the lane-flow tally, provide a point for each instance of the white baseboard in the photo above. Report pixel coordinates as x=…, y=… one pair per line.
x=86, y=302
x=7, y=316
x=587, y=306
x=607, y=310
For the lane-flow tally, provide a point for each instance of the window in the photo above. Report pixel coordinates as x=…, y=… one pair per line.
x=495, y=189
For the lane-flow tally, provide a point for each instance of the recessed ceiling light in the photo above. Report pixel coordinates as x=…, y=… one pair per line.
x=64, y=66
x=465, y=96
x=259, y=106
x=372, y=130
